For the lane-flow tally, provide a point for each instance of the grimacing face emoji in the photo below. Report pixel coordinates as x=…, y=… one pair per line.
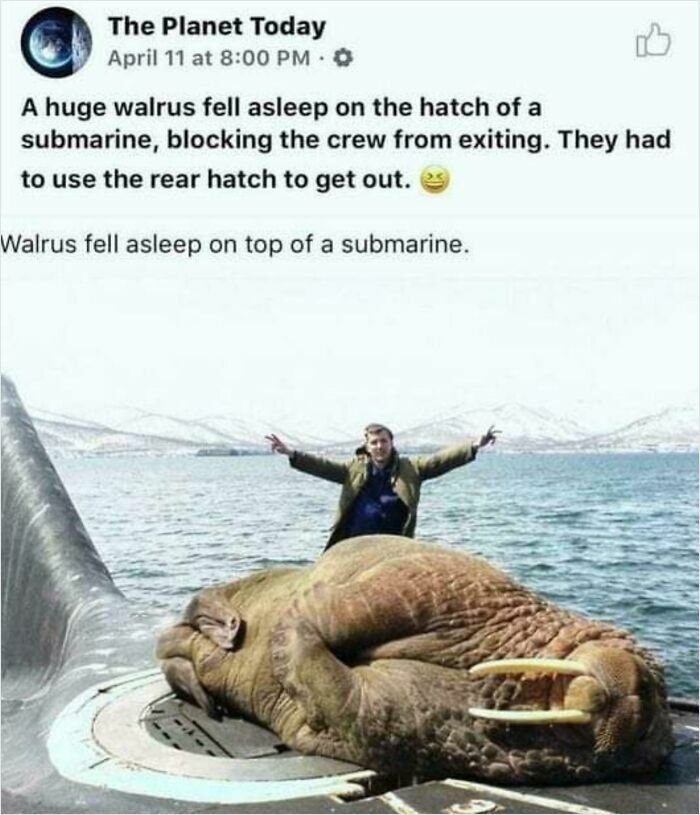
x=434, y=178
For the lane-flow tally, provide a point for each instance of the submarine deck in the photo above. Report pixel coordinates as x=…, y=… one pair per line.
x=185, y=728
x=674, y=789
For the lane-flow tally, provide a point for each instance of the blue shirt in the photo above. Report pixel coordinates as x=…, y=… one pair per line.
x=377, y=509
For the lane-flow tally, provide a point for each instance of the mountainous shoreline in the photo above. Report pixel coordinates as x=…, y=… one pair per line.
x=131, y=431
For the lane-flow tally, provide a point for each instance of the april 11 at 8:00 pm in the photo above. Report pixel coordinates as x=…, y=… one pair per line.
x=226, y=57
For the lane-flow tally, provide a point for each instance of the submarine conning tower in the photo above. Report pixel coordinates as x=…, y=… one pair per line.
x=53, y=579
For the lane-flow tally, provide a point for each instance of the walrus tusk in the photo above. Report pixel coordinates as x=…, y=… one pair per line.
x=529, y=666
x=532, y=716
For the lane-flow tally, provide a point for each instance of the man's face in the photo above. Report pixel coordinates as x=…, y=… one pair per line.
x=379, y=446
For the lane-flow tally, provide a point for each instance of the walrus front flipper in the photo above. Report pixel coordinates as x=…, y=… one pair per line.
x=325, y=638
x=312, y=675
x=182, y=678
x=332, y=627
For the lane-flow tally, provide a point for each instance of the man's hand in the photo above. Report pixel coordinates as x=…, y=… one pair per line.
x=489, y=437
x=278, y=446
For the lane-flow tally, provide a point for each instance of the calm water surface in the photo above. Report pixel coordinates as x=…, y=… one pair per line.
x=612, y=536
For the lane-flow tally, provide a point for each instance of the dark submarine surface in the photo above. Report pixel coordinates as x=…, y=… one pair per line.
x=88, y=725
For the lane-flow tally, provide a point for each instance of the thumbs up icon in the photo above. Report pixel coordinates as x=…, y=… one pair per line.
x=653, y=44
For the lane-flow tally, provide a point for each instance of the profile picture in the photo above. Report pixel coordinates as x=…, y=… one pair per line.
x=56, y=42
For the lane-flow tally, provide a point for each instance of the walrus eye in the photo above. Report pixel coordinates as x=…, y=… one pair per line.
x=531, y=666
x=225, y=632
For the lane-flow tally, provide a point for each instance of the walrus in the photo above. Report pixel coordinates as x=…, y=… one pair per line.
x=399, y=655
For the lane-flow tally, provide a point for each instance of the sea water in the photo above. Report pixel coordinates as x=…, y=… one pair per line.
x=613, y=536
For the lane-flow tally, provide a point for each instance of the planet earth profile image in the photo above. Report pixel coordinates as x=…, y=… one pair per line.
x=56, y=42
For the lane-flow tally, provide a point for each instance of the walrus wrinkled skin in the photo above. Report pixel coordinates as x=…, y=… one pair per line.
x=387, y=653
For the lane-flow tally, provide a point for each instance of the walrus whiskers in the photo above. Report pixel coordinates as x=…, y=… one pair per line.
x=533, y=665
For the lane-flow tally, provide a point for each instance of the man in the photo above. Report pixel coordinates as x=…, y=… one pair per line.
x=381, y=489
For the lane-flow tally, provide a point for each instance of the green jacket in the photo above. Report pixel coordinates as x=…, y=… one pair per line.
x=407, y=476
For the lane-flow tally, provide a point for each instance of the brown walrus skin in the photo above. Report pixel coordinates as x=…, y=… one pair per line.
x=366, y=656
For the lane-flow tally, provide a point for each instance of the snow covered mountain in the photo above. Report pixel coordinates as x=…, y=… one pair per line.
x=244, y=432
x=524, y=429
x=75, y=438
x=123, y=429
x=673, y=429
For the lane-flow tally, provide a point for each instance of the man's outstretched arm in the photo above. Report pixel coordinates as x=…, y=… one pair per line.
x=445, y=460
x=308, y=463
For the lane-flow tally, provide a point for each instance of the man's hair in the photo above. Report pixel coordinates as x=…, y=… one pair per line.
x=375, y=427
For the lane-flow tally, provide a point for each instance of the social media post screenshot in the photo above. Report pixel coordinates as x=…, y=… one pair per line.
x=350, y=406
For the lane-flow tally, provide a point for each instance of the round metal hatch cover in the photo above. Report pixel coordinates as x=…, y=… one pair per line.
x=105, y=737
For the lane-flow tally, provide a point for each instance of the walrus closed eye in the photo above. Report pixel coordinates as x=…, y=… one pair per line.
x=398, y=655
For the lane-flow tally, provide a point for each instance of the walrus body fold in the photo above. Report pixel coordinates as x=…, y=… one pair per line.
x=399, y=655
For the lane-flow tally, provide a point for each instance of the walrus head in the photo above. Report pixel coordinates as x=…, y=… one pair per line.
x=607, y=697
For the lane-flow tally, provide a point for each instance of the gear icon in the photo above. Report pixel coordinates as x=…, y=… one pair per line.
x=343, y=57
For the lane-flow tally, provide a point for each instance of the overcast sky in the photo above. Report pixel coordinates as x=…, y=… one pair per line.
x=334, y=343
x=579, y=292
